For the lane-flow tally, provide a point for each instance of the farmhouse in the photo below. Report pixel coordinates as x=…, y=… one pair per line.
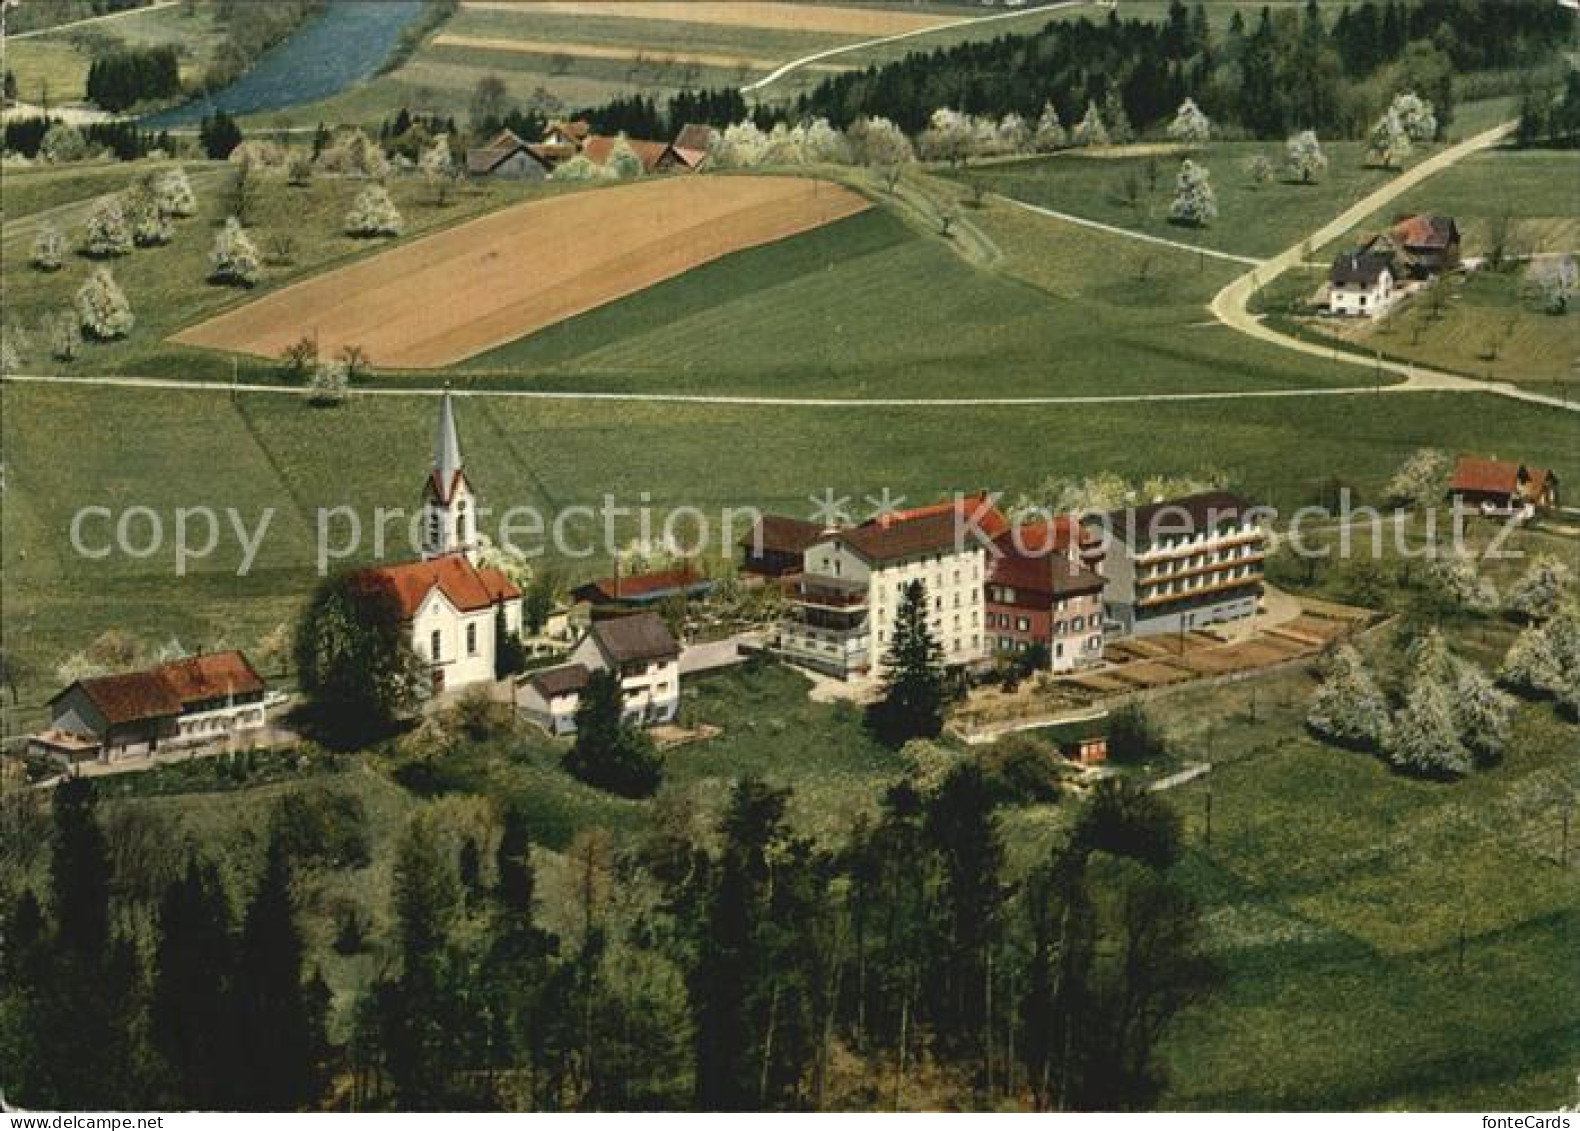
x=639, y=648
x=1043, y=591
x=844, y=603
x=1498, y=487
x=568, y=133
x=507, y=157
x=184, y=703
x=1428, y=244
x=694, y=138
x=1182, y=564
x=655, y=156
x=644, y=590
x=454, y=608
x=1360, y=283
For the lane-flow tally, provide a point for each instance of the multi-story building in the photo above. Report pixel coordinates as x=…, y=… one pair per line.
x=853, y=579
x=1043, y=588
x=1178, y=565
x=639, y=648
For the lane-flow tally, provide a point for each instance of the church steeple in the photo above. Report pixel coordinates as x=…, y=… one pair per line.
x=449, y=509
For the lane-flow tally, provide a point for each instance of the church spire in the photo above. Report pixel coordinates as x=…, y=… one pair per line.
x=446, y=449
x=450, y=518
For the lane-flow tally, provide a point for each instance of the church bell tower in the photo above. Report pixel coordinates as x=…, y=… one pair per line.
x=449, y=519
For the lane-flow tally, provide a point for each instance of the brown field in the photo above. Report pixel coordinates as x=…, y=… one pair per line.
x=735, y=13
x=595, y=51
x=447, y=297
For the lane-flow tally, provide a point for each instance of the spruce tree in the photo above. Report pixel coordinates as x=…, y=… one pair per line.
x=192, y=1025
x=912, y=704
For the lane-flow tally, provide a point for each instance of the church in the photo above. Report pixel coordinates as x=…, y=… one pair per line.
x=451, y=603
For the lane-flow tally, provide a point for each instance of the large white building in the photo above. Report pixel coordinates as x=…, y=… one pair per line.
x=843, y=607
x=451, y=604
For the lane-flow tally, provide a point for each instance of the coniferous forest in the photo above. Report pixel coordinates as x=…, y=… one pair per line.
x=738, y=966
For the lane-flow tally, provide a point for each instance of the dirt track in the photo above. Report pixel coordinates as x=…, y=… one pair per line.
x=450, y=296
x=733, y=13
x=619, y=54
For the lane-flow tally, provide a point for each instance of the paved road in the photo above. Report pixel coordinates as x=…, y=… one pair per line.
x=818, y=56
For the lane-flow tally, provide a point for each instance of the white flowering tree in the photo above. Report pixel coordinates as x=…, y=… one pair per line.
x=1190, y=125
x=950, y=136
x=1090, y=130
x=151, y=226
x=1120, y=130
x=1303, y=157
x=1536, y=595
x=1259, y=169
x=63, y=335
x=1420, y=481
x=822, y=144
x=10, y=359
x=1348, y=708
x=880, y=144
x=1050, y=133
x=235, y=260
x=1545, y=660
x=1012, y=135
x=437, y=165
x=175, y=194
x=578, y=170
x=1483, y=714
x=102, y=309
x=1415, y=115
x=330, y=383
x=49, y=248
x=1553, y=278
x=374, y=214
x=108, y=233
x=63, y=143
x=740, y=146
x=1194, y=203
x=1460, y=584
x=1388, y=144
x=1424, y=738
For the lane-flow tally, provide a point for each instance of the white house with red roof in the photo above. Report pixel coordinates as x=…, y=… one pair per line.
x=452, y=603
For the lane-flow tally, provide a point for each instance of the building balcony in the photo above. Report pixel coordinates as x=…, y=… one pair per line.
x=830, y=593
x=1229, y=585
x=1211, y=545
x=1218, y=566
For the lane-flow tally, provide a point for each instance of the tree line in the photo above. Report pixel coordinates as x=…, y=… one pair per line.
x=1293, y=69
x=123, y=78
x=726, y=965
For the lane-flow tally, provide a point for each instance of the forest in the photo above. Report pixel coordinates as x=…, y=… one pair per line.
x=733, y=967
x=1281, y=71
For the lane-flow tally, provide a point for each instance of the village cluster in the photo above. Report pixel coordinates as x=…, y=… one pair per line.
x=1053, y=595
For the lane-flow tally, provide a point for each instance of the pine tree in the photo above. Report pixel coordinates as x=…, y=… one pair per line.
x=1195, y=203
x=1118, y=122
x=235, y=258
x=609, y=752
x=1348, y=708
x=108, y=234
x=912, y=702
x=191, y=1020
x=278, y=1025
x=102, y=309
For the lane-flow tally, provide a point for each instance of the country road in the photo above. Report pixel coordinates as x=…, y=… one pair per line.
x=833, y=52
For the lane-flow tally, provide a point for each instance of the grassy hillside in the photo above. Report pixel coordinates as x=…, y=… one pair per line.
x=166, y=450
x=1135, y=192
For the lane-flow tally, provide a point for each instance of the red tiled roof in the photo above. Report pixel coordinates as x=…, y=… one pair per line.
x=464, y=585
x=162, y=692
x=639, y=585
x=1045, y=574
x=1495, y=476
x=695, y=138
x=939, y=528
x=1425, y=231
x=599, y=149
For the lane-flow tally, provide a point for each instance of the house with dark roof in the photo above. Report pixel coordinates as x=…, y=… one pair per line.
x=639, y=649
x=1360, y=283
x=776, y=544
x=1182, y=564
x=508, y=157
x=1502, y=488
x=1429, y=244
x=842, y=609
x=216, y=697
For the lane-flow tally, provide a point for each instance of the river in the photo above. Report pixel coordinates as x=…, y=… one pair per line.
x=341, y=47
